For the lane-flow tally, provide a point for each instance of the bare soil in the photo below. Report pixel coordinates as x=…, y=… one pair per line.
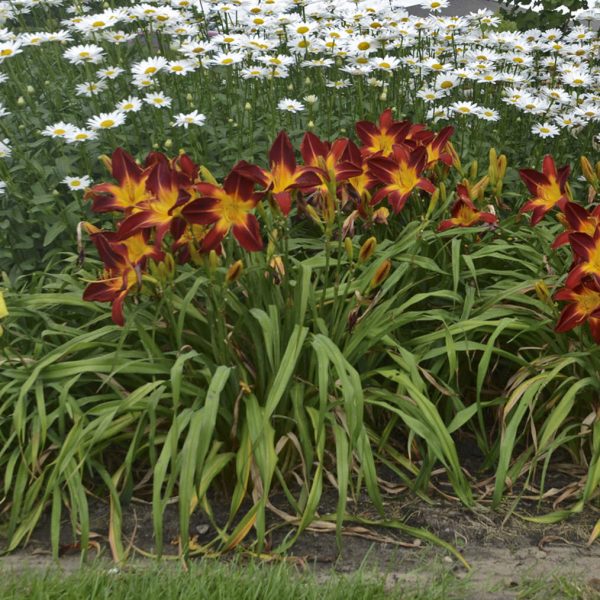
x=502, y=549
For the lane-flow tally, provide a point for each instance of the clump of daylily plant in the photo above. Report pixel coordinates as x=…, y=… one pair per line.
x=173, y=208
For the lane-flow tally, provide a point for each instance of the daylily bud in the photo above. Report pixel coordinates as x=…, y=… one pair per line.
x=206, y=175
x=234, y=271
x=383, y=270
x=502, y=163
x=443, y=192
x=569, y=192
x=433, y=202
x=473, y=170
x=493, y=168
x=349, y=247
x=276, y=263
x=588, y=171
x=312, y=213
x=367, y=249
x=479, y=188
x=213, y=260
x=456, y=162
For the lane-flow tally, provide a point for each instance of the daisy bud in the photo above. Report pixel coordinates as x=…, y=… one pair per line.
x=307, y=81
x=234, y=271
x=168, y=143
x=247, y=106
x=290, y=87
x=367, y=249
x=20, y=101
x=310, y=125
x=155, y=146
x=30, y=89
x=383, y=270
x=189, y=97
x=383, y=96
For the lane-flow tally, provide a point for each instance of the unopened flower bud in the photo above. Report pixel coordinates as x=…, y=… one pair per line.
x=168, y=143
x=247, y=106
x=383, y=96
x=310, y=125
x=349, y=248
x=307, y=81
x=234, y=271
x=383, y=270
x=588, y=171
x=290, y=87
x=20, y=101
x=367, y=249
x=213, y=260
x=30, y=89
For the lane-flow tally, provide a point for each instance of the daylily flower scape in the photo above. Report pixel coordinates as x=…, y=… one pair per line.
x=261, y=256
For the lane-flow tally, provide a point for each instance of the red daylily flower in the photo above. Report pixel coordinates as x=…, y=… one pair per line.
x=585, y=306
x=163, y=208
x=586, y=249
x=436, y=148
x=578, y=219
x=227, y=208
x=464, y=213
x=400, y=174
x=327, y=161
x=381, y=138
x=548, y=188
x=123, y=263
x=131, y=188
x=284, y=175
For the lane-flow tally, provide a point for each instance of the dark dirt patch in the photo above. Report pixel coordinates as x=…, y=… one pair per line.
x=501, y=550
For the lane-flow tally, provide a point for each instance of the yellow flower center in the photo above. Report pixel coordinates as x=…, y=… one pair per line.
x=227, y=61
x=81, y=136
x=364, y=46
x=150, y=70
x=446, y=85
x=98, y=24
x=127, y=106
x=59, y=131
x=385, y=65
x=75, y=183
x=107, y=123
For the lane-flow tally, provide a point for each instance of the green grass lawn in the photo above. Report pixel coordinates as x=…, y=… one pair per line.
x=218, y=580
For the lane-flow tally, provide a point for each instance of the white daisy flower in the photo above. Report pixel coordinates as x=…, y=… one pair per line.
x=58, y=130
x=106, y=120
x=110, y=72
x=90, y=88
x=77, y=183
x=77, y=136
x=5, y=149
x=289, y=105
x=465, y=108
x=131, y=104
x=489, y=114
x=545, y=130
x=193, y=118
x=87, y=53
x=158, y=99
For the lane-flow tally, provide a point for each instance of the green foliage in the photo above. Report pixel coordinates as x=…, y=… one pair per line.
x=546, y=16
